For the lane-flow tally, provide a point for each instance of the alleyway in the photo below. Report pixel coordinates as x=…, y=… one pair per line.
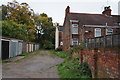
x=42, y=65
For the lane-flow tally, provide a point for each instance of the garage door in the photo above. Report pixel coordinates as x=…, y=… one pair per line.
x=14, y=48
x=5, y=49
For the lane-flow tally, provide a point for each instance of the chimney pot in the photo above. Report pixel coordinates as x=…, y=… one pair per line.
x=67, y=9
x=107, y=11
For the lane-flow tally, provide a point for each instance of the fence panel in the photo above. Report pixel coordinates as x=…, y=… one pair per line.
x=104, y=41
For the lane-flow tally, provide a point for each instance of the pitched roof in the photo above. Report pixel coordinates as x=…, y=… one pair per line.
x=93, y=19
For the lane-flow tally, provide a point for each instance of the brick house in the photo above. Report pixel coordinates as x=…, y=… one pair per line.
x=80, y=26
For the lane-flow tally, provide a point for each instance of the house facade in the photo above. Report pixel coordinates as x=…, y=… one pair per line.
x=58, y=36
x=79, y=26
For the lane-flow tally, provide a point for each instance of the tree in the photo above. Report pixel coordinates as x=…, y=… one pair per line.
x=20, y=14
x=47, y=31
x=14, y=30
x=4, y=12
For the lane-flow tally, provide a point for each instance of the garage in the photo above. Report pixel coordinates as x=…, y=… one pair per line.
x=5, y=49
x=14, y=48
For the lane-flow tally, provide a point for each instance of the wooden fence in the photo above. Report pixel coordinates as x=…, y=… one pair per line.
x=108, y=41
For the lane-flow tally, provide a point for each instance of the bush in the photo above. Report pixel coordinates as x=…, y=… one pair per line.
x=84, y=69
x=48, y=45
x=72, y=69
x=58, y=49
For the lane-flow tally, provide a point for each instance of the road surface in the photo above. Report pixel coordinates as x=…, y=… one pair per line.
x=41, y=65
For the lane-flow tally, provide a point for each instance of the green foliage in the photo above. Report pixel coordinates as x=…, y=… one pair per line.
x=20, y=19
x=71, y=69
x=20, y=13
x=43, y=15
x=48, y=30
x=58, y=49
x=75, y=56
x=14, y=30
x=48, y=45
x=24, y=54
x=60, y=54
x=75, y=51
x=84, y=69
x=4, y=12
x=6, y=61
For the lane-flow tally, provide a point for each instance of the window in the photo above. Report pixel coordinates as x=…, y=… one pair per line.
x=97, y=32
x=74, y=41
x=109, y=31
x=74, y=29
x=61, y=43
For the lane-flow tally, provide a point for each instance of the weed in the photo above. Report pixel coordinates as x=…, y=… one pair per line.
x=6, y=61
x=60, y=54
x=71, y=69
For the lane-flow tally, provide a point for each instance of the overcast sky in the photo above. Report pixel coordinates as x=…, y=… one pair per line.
x=56, y=9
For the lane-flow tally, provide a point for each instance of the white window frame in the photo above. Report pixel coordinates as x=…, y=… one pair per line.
x=107, y=32
x=72, y=41
x=74, y=21
x=74, y=26
x=96, y=35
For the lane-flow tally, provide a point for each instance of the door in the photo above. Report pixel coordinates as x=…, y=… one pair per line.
x=19, y=48
x=33, y=47
x=5, y=50
x=14, y=49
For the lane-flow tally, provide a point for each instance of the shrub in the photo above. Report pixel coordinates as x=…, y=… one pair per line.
x=58, y=49
x=48, y=45
x=84, y=69
x=72, y=69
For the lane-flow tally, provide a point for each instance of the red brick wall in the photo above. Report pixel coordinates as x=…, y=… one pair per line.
x=103, y=31
x=66, y=34
x=103, y=62
x=60, y=39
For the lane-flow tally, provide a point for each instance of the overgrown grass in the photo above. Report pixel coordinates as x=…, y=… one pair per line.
x=72, y=69
x=60, y=54
x=6, y=61
x=25, y=54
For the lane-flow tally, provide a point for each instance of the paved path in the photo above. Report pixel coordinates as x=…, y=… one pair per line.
x=42, y=65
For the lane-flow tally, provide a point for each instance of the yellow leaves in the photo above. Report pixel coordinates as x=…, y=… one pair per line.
x=45, y=19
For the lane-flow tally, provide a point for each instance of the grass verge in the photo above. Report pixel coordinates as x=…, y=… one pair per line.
x=72, y=69
x=60, y=54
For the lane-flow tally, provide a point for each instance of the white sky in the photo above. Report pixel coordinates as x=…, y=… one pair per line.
x=56, y=9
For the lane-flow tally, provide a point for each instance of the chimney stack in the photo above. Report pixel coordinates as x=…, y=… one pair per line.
x=67, y=9
x=107, y=11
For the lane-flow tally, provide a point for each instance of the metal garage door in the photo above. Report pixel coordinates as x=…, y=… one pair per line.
x=14, y=48
x=19, y=48
x=5, y=49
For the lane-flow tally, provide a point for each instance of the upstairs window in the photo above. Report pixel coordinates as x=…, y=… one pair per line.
x=97, y=32
x=109, y=31
x=74, y=29
x=74, y=41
